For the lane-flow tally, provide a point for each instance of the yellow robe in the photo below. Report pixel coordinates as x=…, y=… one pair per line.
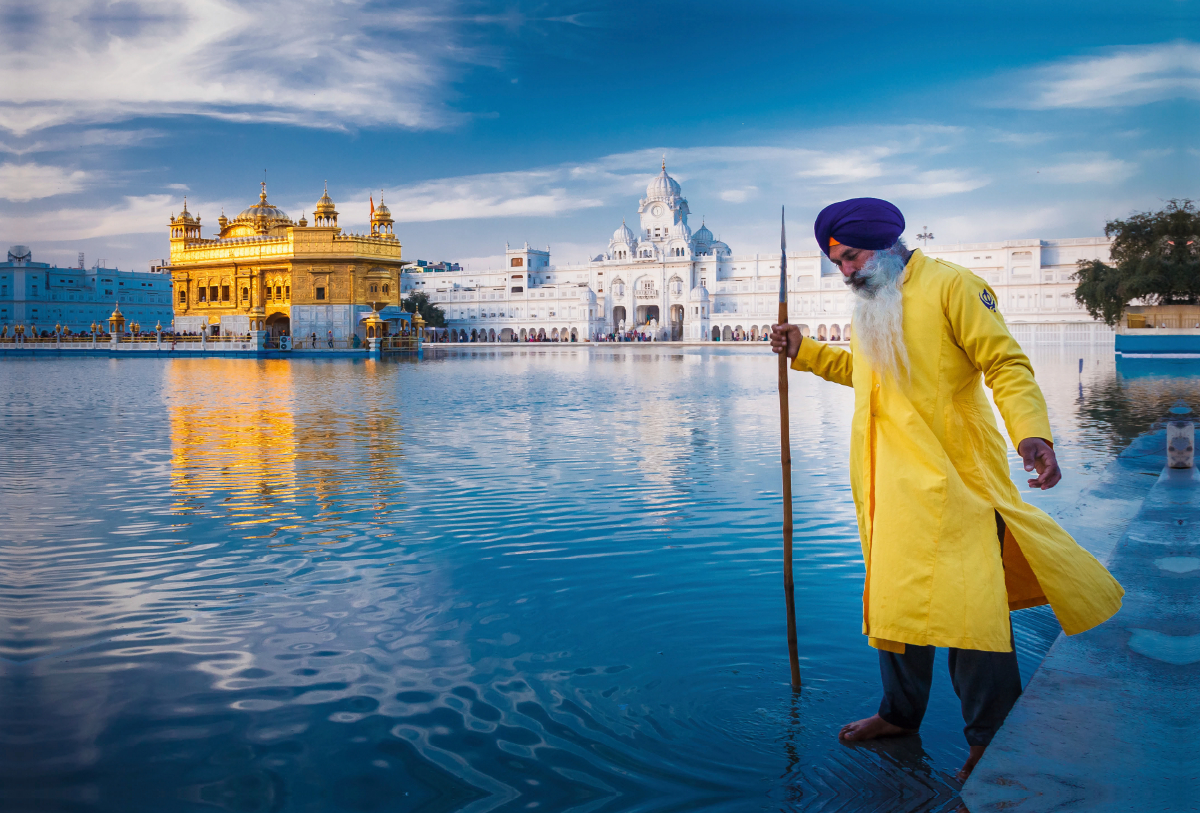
x=928, y=467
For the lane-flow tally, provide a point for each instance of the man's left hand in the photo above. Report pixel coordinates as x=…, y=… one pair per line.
x=1038, y=454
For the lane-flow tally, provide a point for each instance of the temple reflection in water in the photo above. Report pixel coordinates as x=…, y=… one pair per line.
x=240, y=445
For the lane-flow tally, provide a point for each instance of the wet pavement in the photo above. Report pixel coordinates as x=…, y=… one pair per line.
x=1108, y=721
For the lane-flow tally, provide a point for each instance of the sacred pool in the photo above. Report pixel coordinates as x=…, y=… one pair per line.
x=526, y=579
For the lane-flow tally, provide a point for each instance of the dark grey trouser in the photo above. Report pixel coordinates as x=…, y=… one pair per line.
x=987, y=684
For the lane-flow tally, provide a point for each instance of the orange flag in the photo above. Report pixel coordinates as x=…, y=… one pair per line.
x=372, y=206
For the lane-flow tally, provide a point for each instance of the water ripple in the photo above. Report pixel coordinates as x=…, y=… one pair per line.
x=495, y=580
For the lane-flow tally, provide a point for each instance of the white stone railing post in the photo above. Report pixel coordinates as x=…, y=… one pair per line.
x=1181, y=444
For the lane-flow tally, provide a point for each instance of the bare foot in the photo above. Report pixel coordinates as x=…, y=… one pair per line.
x=972, y=761
x=870, y=729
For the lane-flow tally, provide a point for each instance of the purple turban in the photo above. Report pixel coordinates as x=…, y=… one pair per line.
x=867, y=223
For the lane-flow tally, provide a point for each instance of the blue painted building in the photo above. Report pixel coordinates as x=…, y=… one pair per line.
x=43, y=295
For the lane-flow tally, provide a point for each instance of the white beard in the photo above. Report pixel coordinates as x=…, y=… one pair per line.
x=879, y=312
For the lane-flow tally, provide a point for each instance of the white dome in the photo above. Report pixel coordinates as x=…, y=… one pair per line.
x=698, y=294
x=681, y=230
x=624, y=234
x=664, y=186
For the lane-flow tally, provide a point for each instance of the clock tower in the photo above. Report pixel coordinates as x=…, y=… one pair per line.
x=664, y=210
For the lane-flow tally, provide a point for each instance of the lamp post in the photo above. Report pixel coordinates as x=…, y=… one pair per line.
x=925, y=236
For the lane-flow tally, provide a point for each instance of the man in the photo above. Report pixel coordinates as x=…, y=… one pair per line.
x=949, y=545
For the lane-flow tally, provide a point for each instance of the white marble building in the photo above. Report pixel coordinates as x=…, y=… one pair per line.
x=670, y=283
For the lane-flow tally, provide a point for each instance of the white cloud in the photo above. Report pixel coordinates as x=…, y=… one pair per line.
x=75, y=140
x=935, y=184
x=1121, y=78
x=847, y=167
x=731, y=174
x=133, y=215
x=739, y=195
x=990, y=223
x=307, y=62
x=1088, y=168
x=500, y=194
x=25, y=182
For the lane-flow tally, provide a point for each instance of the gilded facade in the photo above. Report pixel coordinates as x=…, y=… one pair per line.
x=264, y=271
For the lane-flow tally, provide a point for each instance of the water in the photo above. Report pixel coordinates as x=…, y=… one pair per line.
x=539, y=579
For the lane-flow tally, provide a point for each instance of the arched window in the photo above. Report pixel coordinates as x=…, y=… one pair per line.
x=387, y=288
x=182, y=296
x=245, y=294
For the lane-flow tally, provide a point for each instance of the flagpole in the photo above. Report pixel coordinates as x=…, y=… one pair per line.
x=785, y=459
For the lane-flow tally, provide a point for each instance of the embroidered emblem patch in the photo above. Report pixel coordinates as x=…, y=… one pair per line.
x=988, y=300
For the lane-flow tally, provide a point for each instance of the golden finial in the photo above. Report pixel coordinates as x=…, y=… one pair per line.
x=262, y=196
x=664, y=162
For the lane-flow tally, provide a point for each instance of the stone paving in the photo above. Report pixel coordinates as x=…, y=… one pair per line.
x=1109, y=721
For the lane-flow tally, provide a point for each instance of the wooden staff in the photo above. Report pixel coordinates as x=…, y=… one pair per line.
x=785, y=458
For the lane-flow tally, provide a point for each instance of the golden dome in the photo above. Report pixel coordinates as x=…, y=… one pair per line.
x=325, y=204
x=264, y=212
x=185, y=216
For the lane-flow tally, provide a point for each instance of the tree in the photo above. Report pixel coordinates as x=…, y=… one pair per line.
x=418, y=302
x=1156, y=258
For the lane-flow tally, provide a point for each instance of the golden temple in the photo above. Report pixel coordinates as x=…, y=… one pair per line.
x=265, y=272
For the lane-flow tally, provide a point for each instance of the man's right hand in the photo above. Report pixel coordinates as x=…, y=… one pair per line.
x=785, y=336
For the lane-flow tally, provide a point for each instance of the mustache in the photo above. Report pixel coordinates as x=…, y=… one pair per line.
x=857, y=280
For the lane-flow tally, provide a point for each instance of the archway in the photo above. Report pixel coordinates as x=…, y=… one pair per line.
x=804, y=331
x=507, y=334
x=716, y=334
x=738, y=334
x=820, y=333
x=645, y=313
x=676, y=322
x=541, y=334
x=474, y=335
x=835, y=333
x=727, y=334
x=523, y=334
x=554, y=334
x=278, y=324
x=846, y=333
x=462, y=335
x=491, y=335
x=574, y=335
x=754, y=333
x=618, y=316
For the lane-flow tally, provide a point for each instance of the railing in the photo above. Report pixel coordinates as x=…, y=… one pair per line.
x=643, y=293
x=307, y=343
x=399, y=344
x=1173, y=321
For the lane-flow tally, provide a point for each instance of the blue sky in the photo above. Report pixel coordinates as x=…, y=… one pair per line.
x=543, y=122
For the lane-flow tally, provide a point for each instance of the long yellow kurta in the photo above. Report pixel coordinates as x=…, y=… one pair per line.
x=928, y=467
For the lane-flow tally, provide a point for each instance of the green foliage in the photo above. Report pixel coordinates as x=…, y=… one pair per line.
x=418, y=302
x=1156, y=258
